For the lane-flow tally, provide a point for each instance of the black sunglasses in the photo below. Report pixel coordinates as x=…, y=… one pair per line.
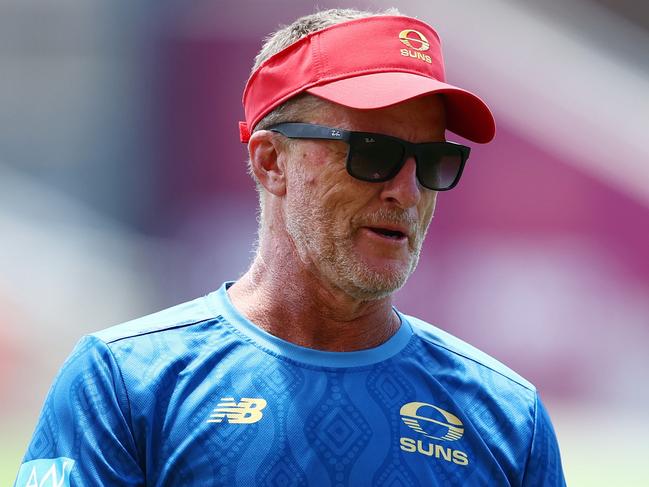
x=378, y=158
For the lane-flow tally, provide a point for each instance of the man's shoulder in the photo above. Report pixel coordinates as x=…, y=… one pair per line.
x=179, y=316
x=449, y=344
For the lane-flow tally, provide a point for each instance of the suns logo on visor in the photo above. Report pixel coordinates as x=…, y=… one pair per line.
x=417, y=45
x=414, y=40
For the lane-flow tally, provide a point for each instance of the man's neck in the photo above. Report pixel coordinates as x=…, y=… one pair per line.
x=291, y=303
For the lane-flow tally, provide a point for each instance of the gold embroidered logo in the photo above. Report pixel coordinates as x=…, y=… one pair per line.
x=416, y=43
x=441, y=426
x=435, y=423
x=414, y=40
x=246, y=411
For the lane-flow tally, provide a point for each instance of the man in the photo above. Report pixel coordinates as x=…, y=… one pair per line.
x=302, y=372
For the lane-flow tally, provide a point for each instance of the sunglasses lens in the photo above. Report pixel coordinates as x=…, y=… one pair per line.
x=373, y=159
x=439, y=166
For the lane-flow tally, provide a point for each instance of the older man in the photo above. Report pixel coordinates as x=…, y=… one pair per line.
x=302, y=372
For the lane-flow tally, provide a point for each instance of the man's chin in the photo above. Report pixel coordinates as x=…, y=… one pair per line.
x=371, y=282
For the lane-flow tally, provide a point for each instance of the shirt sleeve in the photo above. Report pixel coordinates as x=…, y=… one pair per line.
x=544, y=463
x=83, y=435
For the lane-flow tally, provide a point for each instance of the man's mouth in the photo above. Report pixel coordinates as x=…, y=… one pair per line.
x=388, y=233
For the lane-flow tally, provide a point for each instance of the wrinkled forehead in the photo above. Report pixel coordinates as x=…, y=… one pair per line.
x=421, y=118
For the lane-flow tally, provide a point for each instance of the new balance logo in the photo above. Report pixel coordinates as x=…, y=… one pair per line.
x=246, y=411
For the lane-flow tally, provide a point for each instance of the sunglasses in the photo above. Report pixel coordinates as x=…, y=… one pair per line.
x=378, y=158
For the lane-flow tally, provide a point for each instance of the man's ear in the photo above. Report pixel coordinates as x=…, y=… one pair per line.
x=267, y=160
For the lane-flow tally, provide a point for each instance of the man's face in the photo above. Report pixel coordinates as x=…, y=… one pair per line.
x=362, y=237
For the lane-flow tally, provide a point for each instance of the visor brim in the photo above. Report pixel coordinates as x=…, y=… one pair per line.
x=466, y=114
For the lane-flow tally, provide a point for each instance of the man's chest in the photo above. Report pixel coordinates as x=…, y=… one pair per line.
x=281, y=425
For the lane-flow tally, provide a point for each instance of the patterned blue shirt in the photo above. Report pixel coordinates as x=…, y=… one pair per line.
x=197, y=395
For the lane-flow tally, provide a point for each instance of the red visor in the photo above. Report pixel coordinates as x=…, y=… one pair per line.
x=367, y=63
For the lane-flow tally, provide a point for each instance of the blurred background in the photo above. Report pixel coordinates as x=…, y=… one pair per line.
x=123, y=190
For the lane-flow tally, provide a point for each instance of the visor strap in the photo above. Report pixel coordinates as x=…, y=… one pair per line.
x=244, y=133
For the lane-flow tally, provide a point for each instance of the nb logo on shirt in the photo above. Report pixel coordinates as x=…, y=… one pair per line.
x=246, y=411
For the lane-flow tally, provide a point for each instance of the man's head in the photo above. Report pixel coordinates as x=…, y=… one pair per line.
x=359, y=236
x=363, y=237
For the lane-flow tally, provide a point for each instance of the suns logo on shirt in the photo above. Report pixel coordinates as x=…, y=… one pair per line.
x=441, y=426
x=246, y=411
x=435, y=423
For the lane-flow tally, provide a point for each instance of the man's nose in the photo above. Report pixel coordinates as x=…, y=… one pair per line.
x=403, y=189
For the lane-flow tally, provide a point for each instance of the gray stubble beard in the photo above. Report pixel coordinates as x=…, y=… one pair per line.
x=335, y=257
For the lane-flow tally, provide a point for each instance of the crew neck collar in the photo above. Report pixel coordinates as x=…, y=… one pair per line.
x=220, y=301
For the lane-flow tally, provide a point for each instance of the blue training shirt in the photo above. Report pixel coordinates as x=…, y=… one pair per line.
x=196, y=395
